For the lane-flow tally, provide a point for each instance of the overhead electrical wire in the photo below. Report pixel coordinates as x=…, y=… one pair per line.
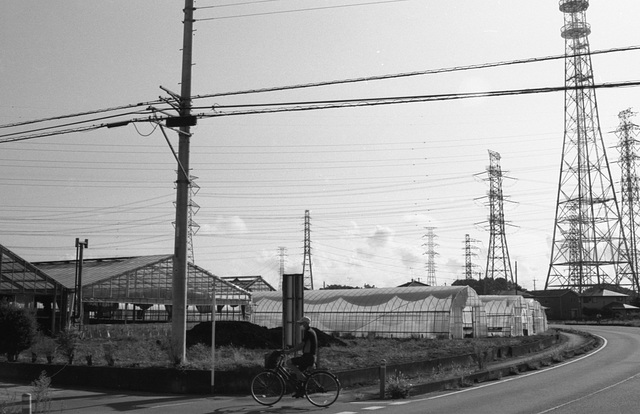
x=293, y=10
x=413, y=73
x=310, y=105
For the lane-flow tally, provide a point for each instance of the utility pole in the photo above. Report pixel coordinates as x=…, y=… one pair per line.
x=180, y=262
x=80, y=246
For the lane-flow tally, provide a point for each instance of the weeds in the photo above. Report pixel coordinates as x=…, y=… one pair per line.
x=398, y=386
x=9, y=403
x=41, y=390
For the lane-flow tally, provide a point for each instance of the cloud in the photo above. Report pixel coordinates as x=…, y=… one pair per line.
x=380, y=237
x=225, y=225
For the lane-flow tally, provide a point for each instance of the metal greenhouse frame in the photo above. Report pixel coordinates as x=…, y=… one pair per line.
x=145, y=282
x=421, y=312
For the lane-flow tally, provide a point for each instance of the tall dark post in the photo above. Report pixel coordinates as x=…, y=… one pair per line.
x=180, y=263
x=80, y=246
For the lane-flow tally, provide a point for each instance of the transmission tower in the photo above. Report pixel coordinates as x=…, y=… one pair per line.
x=282, y=252
x=193, y=226
x=498, y=262
x=431, y=254
x=307, y=271
x=192, y=210
x=469, y=254
x=627, y=133
x=588, y=246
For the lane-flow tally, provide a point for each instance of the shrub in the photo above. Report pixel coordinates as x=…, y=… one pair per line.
x=109, y=353
x=398, y=386
x=18, y=327
x=44, y=345
x=68, y=341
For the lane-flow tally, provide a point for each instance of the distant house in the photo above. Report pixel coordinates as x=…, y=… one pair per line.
x=560, y=304
x=599, y=298
x=250, y=283
x=413, y=283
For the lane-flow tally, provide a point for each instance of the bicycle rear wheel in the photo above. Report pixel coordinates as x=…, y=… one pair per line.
x=267, y=387
x=322, y=388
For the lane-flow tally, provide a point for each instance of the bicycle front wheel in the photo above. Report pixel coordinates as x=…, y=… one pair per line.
x=267, y=387
x=322, y=388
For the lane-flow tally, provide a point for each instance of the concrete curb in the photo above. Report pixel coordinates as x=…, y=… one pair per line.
x=494, y=371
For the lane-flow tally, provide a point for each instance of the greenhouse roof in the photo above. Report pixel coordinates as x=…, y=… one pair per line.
x=250, y=283
x=19, y=276
x=143, y=279
x=458, y=295
x=97, y=270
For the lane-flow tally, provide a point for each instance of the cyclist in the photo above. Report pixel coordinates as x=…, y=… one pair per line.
x=309, y=348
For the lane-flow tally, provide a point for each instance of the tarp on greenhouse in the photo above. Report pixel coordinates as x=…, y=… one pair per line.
x=423, y=312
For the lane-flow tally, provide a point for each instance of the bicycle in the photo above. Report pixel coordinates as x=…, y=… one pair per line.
x=321, y=387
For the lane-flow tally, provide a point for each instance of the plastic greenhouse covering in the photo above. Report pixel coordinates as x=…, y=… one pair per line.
x=505, y=314
x=539, y=316
x=513, y=315
x=421, y=312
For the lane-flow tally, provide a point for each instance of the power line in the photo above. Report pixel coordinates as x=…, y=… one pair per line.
x=410, y=74
x=293, y=10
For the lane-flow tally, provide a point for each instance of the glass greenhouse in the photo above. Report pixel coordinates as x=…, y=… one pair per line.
x=422, y=312
x=137, y=289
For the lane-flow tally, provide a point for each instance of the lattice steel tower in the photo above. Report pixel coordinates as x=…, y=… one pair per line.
x=469, y=254
x=587, y=234
x=498, y=262
x=307, y=271
x=431, y=255
x=282, y=252
x=627, y=133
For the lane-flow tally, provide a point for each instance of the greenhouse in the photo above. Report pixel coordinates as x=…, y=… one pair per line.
x=513, y=315
x=538, y=316
x=140, y=288
x=115, y=290
x=420, y=312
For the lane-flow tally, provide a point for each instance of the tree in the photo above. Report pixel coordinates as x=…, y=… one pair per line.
x=18, y=329
x=334, y=287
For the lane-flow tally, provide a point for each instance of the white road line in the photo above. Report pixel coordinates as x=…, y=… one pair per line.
x=374, y=407
x=520, y=376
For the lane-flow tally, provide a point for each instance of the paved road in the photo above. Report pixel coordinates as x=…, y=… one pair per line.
x=606, y=380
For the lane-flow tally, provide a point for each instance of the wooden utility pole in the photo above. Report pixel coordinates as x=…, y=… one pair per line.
x=180, y=263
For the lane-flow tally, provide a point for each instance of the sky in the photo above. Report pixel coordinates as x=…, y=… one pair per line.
x=373, y=178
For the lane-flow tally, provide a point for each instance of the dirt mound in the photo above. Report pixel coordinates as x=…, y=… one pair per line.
x=247, y=335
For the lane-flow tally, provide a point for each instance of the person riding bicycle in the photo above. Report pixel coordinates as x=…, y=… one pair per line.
x=309, y=348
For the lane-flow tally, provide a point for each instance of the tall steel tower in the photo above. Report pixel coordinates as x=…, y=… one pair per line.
x=469, y=254
x=282, y=251
x=498, y=262
x=307, y=271
x=431, y=255
x=587, y=234
x=627, y=133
